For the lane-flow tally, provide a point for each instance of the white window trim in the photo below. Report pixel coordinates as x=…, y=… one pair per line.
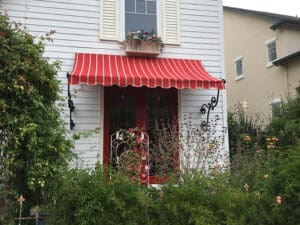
x=270, y=64
x=241, y=76
x=122, y=35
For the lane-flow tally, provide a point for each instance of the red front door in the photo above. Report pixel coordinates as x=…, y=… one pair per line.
x=143, y=108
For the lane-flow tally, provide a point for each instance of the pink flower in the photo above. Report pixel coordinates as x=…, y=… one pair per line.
x=132, y=167
x=130, y=130
x=278, y=200
x=143, y=176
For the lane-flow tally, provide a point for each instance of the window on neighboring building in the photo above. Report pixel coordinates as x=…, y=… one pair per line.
x=275, y=108
x=140, y=15
x=238, y=68
x=271, y=51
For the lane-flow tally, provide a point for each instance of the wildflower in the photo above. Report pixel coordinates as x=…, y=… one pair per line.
x=274, y=139
x=246, y=187
x=257, y=194
x=5, y=14
x=247, y=139
x=213, y=193
x=278, y=200
x=30, y=89
x=21, y=199
x=161, y=193
x=211, y=146
x=143, y=176
x=4, y=108
x=266, y=176
x=21, y=79
x=132, y=167
x=130, y=130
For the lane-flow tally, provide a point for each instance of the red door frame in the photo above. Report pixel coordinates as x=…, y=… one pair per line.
x=141, y=122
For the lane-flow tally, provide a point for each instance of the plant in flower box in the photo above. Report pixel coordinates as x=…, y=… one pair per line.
x=141, y=43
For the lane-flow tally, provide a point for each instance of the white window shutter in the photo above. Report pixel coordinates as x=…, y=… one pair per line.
x=171, y=22
x=109, y=19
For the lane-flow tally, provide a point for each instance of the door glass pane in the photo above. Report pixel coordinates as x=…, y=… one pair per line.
x=122, y=113
x=161, y=112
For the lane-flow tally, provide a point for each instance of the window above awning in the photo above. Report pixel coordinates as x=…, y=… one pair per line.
x=109, y=70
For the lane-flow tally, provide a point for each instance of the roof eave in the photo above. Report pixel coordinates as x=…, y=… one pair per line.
x=284, y=60
x=276, y=25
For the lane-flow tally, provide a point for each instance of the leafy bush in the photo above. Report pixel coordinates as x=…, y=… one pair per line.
x=266, y=163
x=33, y=147
x=244, y=132
x=91, y=197
x=286, y=125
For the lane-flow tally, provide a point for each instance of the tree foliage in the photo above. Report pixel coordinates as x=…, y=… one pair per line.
x=33, y=144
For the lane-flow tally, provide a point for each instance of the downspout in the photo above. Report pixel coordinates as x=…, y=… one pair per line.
x=287, y=81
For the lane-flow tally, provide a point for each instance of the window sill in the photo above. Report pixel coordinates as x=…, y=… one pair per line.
x=240, y=77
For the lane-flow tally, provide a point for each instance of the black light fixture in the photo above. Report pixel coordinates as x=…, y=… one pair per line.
x=70, y=103
x=206, y=108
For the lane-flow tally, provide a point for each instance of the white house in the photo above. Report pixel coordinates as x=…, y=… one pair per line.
x=109, y=88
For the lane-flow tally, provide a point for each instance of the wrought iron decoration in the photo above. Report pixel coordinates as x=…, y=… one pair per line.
x=70, y=104
x=206, y=108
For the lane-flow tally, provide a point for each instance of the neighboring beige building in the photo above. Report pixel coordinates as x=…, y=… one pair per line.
x=262, y=58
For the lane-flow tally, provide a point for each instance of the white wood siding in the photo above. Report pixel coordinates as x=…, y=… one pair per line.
x=76, y=23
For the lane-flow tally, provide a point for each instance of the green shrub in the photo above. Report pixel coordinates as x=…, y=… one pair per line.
x=84, y=197
x=33, y=143
x=286, y=125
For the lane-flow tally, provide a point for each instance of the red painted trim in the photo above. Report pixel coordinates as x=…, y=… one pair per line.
x=106, y=135
x=141, y=113
x=158, y=179
x=141, y=122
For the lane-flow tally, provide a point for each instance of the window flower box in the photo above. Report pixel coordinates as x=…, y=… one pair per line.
x=140, y=43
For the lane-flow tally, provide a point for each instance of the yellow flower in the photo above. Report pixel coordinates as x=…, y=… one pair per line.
x=21, y=199
x=266, y=176
x=257, y=194
x=275, y=139
x=247, y=138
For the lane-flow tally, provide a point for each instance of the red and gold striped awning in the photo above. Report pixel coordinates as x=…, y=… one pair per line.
x=108, y=70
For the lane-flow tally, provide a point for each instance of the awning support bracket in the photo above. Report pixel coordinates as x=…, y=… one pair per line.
x=206, y=108
x=70, y=104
